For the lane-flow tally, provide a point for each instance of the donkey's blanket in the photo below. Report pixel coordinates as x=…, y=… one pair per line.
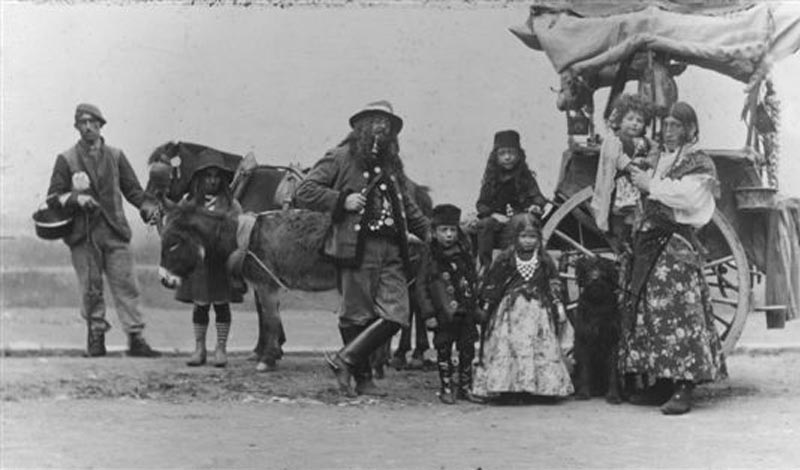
x=289, y=243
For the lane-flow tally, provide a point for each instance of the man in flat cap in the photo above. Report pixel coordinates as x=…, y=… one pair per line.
x=90, y=179
x=362, y=184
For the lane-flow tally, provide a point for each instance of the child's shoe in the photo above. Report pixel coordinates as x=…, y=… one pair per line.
x=447, y=396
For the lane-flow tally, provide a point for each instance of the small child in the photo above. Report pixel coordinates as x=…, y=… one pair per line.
x=210, y=282
x=508, y=187
x=628, y=146
x=448, y=300
x=522, y=295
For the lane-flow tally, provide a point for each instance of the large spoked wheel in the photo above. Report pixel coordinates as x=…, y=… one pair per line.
x=570, y=232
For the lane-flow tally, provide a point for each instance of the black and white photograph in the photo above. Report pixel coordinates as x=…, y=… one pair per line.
x=399, y=234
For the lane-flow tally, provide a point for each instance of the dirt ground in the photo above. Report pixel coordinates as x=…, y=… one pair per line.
x=119, y=412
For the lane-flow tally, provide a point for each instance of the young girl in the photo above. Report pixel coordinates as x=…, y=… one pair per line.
x=210, y=282
x=509, y=187
x=521, y=294
x=616, y=201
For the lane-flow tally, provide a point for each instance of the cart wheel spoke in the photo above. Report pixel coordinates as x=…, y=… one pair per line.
x=720, y=261
x=723, y=321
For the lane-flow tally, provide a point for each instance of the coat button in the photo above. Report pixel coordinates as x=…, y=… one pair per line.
x=377, y=170
x=366, y=175
x=357, y=227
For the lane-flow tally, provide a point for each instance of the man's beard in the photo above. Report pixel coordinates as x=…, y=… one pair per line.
x=374, y=145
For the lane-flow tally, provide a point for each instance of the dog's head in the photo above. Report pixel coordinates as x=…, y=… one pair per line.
x=596, y=276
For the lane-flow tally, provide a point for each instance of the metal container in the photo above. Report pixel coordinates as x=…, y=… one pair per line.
x=52, y=223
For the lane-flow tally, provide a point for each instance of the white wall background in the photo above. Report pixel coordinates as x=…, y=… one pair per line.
x=282, y=83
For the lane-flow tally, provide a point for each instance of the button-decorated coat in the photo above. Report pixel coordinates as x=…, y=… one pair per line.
x=447, y=284
x=340, y=173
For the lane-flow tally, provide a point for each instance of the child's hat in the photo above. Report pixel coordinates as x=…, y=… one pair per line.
x=506, y=139
x=210, y=158
x=446, y=214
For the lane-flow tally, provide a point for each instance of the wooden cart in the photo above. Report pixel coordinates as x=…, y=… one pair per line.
x=606, y=44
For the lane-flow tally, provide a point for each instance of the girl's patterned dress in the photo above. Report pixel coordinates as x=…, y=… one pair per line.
x=521, y=349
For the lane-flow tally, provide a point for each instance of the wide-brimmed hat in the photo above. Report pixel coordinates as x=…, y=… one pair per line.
x=507, y=139
x=87, y=108
x=446, y=214
x=379, y=107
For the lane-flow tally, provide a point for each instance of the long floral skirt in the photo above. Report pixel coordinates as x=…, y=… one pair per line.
x=673, y=335
x=522, y=353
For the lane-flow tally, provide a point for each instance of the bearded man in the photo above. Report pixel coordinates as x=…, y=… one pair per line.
x=362, y=184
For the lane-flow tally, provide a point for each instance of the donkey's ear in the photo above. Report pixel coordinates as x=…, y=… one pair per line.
x=166, y=202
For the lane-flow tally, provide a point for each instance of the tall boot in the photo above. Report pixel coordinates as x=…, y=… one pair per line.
x=221, y=353
x=346, y=362
x=465, y=375
x=343, y=373
x=445, y=367
x=198, y=357
x=681, y=401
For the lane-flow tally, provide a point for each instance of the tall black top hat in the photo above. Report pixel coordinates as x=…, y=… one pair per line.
x=507, y=139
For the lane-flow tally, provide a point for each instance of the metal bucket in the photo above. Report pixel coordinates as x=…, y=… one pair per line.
x=52, y=223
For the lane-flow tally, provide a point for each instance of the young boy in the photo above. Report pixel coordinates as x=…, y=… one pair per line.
x=447, y=294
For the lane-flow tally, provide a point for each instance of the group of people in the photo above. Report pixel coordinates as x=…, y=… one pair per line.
x=651, y=197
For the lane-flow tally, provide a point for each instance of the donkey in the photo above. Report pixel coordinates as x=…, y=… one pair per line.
x=284, y=252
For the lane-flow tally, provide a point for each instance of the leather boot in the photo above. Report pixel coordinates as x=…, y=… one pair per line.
x=681, y=401
x=343, y=374
x=446, y=394
x=342, y=371
x=465, y=379
x=365, y=385
x=138, y=347
x=367, y=341
x=95, y=344
x=355, y=353
x=198, y=357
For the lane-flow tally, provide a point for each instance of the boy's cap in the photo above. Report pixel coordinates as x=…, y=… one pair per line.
x=446, y=214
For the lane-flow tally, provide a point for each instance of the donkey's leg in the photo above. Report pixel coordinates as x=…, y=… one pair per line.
x=270, y=327
x=258, y=350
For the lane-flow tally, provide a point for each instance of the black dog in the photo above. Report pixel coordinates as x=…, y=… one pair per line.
x=597, y=327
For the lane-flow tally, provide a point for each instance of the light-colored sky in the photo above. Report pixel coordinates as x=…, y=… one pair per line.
x=282, y=83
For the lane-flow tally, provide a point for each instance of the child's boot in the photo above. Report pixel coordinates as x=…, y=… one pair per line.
x=446, y=394
x=465, y=378
x=220, y=353
x=198, y=357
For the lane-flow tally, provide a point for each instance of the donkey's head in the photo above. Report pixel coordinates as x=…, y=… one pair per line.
x=182, y=246
x=189, y=234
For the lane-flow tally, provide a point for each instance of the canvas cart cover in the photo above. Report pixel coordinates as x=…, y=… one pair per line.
x=729, y=37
